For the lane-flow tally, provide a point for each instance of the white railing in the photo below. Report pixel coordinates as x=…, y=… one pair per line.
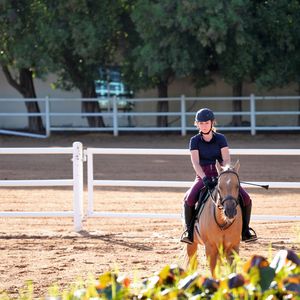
x=54, y=108
x=76, y=182
x=90, y=152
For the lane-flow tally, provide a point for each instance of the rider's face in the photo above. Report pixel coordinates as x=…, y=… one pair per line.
x=204, y=127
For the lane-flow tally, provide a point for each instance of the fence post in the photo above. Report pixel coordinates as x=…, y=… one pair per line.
x=115, y=116
x=252, y=114
x=47, y=117
x=90, y=179
x=77, y=185
x=183, y=116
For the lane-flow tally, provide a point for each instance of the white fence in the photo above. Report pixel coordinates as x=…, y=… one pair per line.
x=79, y=156
x=76, y=182
x=90, y=152
x=283, y=110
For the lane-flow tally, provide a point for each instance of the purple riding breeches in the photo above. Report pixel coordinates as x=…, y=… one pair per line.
x=192, y=195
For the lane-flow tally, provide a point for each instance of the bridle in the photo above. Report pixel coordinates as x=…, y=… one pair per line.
x=219, y=201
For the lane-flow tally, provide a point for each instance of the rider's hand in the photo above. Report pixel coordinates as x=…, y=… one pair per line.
x=209, y=182
x=214, y=181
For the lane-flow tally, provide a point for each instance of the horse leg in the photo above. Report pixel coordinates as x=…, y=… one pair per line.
x=190, y=260
x=212, y=256
x=230, y=254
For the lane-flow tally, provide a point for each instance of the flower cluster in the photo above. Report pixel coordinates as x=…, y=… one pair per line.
x=259, y=279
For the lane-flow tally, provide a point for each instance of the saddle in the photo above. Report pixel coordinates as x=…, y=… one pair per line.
x=204, y=195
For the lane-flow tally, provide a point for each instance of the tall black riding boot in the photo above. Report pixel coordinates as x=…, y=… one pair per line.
x=188, y=235
x=247, y=236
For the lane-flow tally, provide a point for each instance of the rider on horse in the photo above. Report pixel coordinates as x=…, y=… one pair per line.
x=206, y=147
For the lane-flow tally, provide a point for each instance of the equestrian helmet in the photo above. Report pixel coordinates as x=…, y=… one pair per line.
x=204, y=115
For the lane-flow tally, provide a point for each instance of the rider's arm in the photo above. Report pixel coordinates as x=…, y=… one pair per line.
x=195, y=163
x=225, y=156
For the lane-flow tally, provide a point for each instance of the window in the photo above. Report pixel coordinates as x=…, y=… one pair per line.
x=109, y=85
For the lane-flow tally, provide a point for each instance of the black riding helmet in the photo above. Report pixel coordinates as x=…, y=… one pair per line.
x=204, y=115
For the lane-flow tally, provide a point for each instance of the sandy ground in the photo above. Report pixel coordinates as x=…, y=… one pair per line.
x=47, y=250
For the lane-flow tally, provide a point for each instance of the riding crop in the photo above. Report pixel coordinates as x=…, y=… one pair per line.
x=265, y=186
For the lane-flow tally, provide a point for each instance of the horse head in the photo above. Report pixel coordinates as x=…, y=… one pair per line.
x=228, y=189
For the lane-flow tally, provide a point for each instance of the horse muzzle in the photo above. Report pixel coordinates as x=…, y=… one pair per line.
x=229, y=204
x=230, y=213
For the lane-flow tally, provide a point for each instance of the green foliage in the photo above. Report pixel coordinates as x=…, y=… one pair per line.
x=81, y=36
x=21, y=45
x=259, y=280
x=167, y=46
x=278, y=30
x=236, y=51
x=154, y=41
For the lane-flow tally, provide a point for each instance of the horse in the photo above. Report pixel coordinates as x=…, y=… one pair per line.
x=220, y=223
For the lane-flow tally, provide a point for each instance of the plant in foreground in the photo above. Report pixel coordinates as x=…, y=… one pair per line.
x=259, y=279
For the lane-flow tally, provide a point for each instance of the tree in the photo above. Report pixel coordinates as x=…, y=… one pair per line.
x=166, y=49
x=82, y=36
x=196, y=38
x=151, y=59
x=278, y=23
x=236, y=49
x=219, y=37
x=22, y=53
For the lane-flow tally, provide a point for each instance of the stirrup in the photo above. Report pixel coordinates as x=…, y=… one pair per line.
x=185, y=238
x=249, y=237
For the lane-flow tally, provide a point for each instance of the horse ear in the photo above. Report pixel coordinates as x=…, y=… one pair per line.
x=218, y=166
x=237, y=166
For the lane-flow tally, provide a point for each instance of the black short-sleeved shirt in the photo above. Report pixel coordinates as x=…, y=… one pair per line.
x=210, y=151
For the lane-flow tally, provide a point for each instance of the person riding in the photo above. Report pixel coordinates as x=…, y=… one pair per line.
x=205, y=148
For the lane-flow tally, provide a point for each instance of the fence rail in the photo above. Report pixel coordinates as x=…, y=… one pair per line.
x=181, y=111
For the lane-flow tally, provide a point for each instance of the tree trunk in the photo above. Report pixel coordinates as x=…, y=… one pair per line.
x=91, y=107
x=162, y=106
x=35, y=124
x=237, y=91
x=26, y=88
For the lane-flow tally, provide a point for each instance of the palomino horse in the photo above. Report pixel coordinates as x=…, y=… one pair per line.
x=220, y=223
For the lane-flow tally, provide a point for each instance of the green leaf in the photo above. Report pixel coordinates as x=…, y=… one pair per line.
x=267, y=275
